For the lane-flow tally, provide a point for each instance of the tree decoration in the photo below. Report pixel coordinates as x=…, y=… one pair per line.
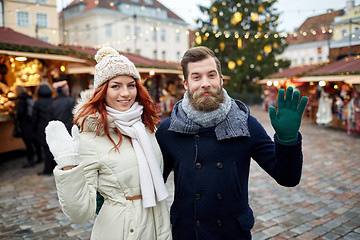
x=239, y=43
x=231, y=65
x=222, y=46
x=268, y=49
x=254, y=16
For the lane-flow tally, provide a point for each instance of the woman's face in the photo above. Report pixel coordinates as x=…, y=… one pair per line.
x=121, y=93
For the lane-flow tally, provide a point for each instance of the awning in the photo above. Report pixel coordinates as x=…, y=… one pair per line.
x=337, y=78
x=353, y=79
x=43, y=56
x=266, y=80
x=80, y=70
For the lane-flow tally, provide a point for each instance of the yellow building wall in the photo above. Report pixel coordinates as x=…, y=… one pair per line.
x=11, y=7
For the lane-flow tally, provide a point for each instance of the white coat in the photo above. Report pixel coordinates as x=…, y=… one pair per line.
x=115, y=175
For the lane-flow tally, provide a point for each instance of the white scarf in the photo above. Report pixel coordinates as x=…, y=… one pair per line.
x=130, y=124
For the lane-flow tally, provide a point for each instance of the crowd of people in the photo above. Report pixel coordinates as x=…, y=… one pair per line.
x=34, y=111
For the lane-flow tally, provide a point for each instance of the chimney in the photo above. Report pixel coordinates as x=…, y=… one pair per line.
x=349, y=5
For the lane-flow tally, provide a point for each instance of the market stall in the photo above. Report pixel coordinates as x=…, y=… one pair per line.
x=334, y=86
x=24, y=61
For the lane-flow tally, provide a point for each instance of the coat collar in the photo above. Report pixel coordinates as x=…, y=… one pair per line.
x=91, y=122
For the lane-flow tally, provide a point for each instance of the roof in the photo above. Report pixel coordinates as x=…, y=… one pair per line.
x=90, y=4
x=348, y=65
x=313, y=26
x=135, y=58
x=294, y=71
x=10, y=37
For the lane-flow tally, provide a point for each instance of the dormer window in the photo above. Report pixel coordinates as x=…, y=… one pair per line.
x=150, y=2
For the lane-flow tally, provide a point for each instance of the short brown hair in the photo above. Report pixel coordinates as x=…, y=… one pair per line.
x=196, y=54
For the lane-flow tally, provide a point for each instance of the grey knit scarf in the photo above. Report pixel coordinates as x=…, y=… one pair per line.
x=234, y=124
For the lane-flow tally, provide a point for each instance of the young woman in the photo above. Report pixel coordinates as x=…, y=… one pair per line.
x=115, y=153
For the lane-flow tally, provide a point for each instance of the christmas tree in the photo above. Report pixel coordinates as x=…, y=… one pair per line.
x=243, y=35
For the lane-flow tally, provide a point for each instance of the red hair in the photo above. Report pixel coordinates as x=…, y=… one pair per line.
x=97, y=106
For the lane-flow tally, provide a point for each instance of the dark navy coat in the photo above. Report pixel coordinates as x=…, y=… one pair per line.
x=211, y=178
x=41, y=115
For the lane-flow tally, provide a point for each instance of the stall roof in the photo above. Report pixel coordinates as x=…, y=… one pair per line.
x=9, y=36
x=295, y=71
x=42, y=56
x=345, y=65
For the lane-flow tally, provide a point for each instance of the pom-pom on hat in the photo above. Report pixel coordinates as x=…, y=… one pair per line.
x=111, y=64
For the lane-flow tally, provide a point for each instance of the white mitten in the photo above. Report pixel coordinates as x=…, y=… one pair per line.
x=64, y=147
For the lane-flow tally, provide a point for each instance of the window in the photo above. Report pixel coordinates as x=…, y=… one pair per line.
x=44, y=38
x=163, y=35
x=41, y=20
x=311, y=60
x=87, y=30
x=137, y=32
x=155, y=54
x=108, y=31
x=22, y=19
x=154, y=34
x=344, y=32
x=127, y=32
x=178, y=56
x=319, y=59
x=164, y=55
x=319, y=50
x=138, y=51
x=177, y=36
x=41, y=1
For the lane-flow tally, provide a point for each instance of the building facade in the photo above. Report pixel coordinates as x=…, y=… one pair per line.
x=346, y=32
x=34, y=18
x=310, y=44
x=145, y=27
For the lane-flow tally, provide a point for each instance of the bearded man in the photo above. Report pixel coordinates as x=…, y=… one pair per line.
x=209, y=141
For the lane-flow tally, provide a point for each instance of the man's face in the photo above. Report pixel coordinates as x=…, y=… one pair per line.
x=204, y=85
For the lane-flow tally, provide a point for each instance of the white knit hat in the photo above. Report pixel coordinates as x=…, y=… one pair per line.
x=111, y=64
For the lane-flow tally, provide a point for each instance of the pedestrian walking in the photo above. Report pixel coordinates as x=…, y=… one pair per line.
x=209, y=141
x=115, y=153
x=40, y=119
x=24, y=109
x=63, y=105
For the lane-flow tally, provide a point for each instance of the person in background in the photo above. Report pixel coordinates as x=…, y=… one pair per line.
x=40, y=119
x=209, y=141
x=24, y=109
x=115, y=154
x=62, y=106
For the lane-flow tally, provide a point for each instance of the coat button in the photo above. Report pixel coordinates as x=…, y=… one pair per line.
x=197, y=137
x=198, y=165
x=219, y=196
x=219, y=165
x=131, y=230
x=218, y=223
x=197, y=223
x=197, y=196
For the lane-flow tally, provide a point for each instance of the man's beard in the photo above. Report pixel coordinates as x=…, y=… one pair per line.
x=206, y=103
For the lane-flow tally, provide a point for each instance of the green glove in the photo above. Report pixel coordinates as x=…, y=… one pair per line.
x=286, y=121
x=99, y=202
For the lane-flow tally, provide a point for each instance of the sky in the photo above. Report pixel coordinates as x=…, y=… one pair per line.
x=293, y=12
